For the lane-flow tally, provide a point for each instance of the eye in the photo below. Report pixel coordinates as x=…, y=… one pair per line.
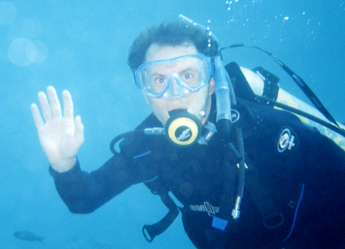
x=189, y=78
x=158, y=80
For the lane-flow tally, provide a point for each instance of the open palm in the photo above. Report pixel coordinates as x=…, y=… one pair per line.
x=60, y=135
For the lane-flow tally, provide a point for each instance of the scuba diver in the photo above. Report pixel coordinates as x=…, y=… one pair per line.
x=247, y=172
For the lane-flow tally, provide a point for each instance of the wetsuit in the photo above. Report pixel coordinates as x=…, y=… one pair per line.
x=294, y=173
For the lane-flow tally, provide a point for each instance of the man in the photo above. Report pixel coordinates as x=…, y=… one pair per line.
x=291, y=174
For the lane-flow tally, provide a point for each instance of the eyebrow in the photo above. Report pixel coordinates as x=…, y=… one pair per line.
x=190, y=69
x=156, y=74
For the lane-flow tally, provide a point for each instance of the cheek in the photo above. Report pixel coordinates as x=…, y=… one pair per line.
x=146, y=98
x=211, y=86
x=155, y=103
x=158, y=109
x=201, y=96
x=198, y=101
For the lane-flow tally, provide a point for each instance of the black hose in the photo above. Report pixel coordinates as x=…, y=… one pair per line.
x=242, y=167
x=119, y=137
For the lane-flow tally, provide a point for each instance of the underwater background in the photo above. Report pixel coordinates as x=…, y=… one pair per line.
x=82, y=46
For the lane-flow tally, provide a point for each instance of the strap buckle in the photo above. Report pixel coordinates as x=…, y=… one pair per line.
x=273, y=222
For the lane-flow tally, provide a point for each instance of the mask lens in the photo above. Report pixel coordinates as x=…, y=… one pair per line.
x=191, y=72
x=194, y=73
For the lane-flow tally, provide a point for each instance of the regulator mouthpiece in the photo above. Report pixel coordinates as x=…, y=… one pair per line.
x=182, y=128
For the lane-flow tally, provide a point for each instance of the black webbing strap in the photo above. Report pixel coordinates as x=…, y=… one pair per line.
x=151, y=231
x=271, y=86
x=239, y=82
x=271, y=217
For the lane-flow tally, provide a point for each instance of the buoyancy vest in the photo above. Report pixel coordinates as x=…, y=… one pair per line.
x=280, y=152
x=194, y=174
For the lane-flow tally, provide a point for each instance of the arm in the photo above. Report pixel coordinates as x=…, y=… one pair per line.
x=84, y=192
x=60, y=136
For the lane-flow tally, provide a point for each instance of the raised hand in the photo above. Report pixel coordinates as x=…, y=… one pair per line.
x=60, y=135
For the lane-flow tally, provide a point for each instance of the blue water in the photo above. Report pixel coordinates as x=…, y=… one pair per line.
x=82, y=46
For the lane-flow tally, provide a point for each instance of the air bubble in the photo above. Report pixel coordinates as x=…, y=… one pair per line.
x=22, y=52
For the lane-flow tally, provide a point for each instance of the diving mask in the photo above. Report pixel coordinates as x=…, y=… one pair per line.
x=175, y=77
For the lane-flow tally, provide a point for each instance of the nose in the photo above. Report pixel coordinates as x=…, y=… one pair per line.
x=175, y=89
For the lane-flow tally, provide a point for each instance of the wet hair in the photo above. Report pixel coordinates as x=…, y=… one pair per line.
x=172, y=34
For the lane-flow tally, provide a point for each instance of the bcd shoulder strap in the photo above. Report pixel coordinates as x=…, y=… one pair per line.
x=151, y=231
x=156, y=187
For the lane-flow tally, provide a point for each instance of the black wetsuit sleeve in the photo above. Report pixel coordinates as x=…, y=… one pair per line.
x=84, y=192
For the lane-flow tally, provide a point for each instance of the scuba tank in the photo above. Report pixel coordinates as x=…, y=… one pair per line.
x=260, y=80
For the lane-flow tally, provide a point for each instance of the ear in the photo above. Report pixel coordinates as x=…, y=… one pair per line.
x=211, y=86
x=146, y=98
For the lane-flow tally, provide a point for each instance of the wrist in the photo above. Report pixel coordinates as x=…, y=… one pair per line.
x=64, y=165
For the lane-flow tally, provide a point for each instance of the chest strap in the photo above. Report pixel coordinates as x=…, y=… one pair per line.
x=151, y=231
x=271, y=217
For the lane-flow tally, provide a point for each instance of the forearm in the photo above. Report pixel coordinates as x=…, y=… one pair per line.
x=84, y=192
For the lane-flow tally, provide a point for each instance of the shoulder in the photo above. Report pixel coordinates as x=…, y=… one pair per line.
x=282, y=135
x=139, y=150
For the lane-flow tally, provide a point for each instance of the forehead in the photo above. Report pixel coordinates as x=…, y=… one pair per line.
x=174, y=67
x=157, y=52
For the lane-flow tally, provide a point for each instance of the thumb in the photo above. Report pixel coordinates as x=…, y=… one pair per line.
x=79, y=130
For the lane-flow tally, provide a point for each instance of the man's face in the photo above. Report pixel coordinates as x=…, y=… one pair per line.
x=194, y=102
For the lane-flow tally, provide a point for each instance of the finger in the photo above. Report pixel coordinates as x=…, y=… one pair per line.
x=54, y=102
x=37, y=117
x=79, y=130
x=68, y=104
x=45, y=106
